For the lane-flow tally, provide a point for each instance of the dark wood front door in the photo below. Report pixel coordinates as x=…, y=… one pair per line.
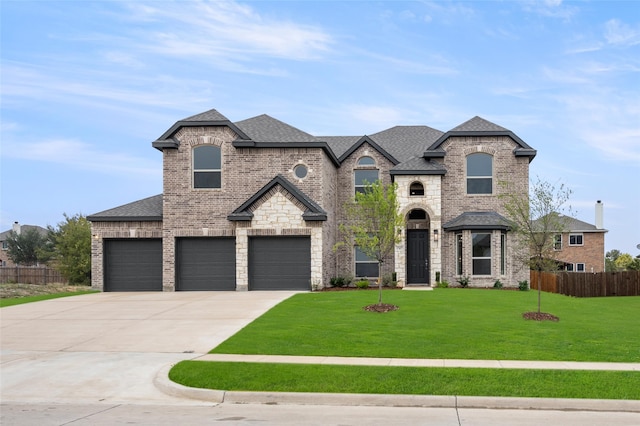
x=417, y=256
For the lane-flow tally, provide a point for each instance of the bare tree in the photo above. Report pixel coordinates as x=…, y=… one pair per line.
x=537, y=219
x=373, y=220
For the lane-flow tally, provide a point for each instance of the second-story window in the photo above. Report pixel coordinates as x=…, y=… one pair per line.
x=479, y=174
x=416, y=189
x=207, y=164
x=366, y=175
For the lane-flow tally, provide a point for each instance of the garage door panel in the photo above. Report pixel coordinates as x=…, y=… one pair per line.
x=206, y=264
x=133, y=265
x=279, y=263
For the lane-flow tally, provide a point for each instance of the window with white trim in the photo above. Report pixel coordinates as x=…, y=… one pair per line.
x=575, y=240
x=207, y=167
x=579, y=267
x=479, y=173
x=557, y=242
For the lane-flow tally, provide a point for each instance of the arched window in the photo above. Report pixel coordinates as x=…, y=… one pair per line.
x=479, y=174
x=416, y=189
x=366, y=161
x=366, y=175
x=207, y=164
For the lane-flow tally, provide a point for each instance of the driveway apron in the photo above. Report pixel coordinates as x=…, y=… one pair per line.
x=108, y=347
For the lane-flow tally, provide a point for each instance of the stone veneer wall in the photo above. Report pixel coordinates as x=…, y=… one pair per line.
x=431, y=203
x=455, y=201
x=106, y=230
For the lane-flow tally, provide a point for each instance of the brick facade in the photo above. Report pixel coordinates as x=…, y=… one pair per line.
x=248, y=165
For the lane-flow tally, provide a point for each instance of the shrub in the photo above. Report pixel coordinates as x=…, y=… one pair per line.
x=497, y=284
x=523, y=285
x=442, y=284
x=463, y=281
x=362, y=283
x=337, y=282
x=390, y=281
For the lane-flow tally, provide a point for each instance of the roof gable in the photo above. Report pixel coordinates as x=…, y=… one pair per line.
x=211, y=118
x=478, y=126
x=313, y=211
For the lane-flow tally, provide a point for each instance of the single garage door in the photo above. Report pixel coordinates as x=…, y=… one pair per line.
x=133, y=265
x=206, y=264
x=279, y=263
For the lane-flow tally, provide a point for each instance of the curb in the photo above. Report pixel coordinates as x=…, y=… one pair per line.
x=162, y=382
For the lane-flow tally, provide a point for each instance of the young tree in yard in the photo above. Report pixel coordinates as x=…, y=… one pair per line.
x=71, y=245
x=27, y=247
x=372, y=224
x=536, y=220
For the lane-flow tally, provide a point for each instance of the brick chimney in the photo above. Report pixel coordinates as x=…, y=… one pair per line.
x=599, y=215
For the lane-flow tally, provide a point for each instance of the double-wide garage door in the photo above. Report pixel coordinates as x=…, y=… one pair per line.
x=208, y=264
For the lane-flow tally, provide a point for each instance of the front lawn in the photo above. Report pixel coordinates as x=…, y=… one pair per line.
x=446, y=323
x=242, y=376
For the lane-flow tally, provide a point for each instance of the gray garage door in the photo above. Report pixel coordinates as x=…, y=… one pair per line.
x=133, y=265
x=205, y=264
x=279, y=263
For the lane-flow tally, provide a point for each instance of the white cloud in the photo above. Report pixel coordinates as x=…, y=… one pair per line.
x=620, y=34
x=226, y=29
x=81, y=155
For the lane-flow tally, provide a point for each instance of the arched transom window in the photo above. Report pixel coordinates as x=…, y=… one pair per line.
x=365, y=176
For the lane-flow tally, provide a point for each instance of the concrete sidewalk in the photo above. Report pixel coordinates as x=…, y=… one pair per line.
x=404, y=362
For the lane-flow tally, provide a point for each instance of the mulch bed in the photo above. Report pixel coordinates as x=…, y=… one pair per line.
x=357, y=289
x=540, y=316
x=381, y=307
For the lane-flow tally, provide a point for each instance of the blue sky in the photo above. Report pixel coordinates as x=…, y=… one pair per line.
x=87, y=86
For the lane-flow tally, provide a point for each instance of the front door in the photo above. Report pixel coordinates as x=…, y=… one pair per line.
x=417, y=256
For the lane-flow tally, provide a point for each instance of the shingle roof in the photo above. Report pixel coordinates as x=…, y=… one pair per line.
x=477, y=220
x=405, y=142
x=570, y=224
x=264, y=128
x=211, y=115
x=419, y=166
x=340, y=144
x=478, y=124
x=23, y=228
x=147, y=209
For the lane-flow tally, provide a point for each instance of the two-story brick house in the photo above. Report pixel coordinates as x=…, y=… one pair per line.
x=581, y=247
x=256, y=205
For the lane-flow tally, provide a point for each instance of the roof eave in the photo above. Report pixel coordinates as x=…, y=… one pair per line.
x=124, y=218
x=416, y=172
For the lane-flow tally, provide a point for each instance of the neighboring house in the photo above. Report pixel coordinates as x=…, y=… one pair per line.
x=4, y=236
x=581, y=248
x=256, y=204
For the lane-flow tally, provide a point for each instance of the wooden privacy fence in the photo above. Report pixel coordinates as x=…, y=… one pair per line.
x=581, y=284
x=30, y=275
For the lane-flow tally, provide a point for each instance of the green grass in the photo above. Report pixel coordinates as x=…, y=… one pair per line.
x=11, y=301
x=407, y=380
x=446, y=323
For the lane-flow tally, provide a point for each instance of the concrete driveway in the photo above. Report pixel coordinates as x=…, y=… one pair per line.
x=108, y=347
